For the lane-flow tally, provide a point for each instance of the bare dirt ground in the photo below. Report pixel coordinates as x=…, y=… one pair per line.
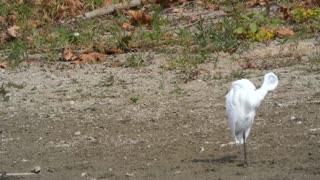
x=99, y=122
x=102, y=122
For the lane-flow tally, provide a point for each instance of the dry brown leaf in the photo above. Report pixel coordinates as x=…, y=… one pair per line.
x=252, y=3
x=11, y=19
x=199, y=2
x=68, y=54
x=90, y=58
x=2, y=20
x=248, y=65
x=3, y=65
x=127, y=26
x=20, y=2
x=35, y=23
x=284, y=32
x=107, y=3
x=177, y=10
x=166, y=36
x=12, y=31
x=138, y=16
x=114, y=50
x=212, y=6
x=3, y=37
x=285, y=12
x=29, y=38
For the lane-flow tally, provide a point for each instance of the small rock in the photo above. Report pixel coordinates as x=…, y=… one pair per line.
x=84, y=174
x=201, y=149
x=299, y=122
x=129, y=174
x=72, y=102
x=315, y=129
x=36, y=169
x=292, y=118
x=77, y=133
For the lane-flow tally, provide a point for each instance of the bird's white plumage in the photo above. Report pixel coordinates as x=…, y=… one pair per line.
x=242, y=101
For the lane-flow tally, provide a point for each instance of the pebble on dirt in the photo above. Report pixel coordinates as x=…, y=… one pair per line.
x=36, y=169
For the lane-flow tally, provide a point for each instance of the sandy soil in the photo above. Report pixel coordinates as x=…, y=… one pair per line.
x=102, y=122
x=99, y=122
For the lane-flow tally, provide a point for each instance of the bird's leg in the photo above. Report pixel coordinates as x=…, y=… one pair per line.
x=244, y=147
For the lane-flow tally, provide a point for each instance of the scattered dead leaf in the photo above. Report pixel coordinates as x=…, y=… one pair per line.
x=284, y=12
x=211, y=6
x=248, y=65
x=3, y=37
x=11, y=19
x=90, y=58
x=114, y=50
x=284, y=32
x=199, y=2
x=2, y=20
x=177, y=10
x=68, y=54
x=35, y=23
x=252, y=3
x=20, y=2
x=166, y=36
x=116, y=63
x=137, y=16
x=3, y=64
x=127, y=26
x=12, y=31
x=29, y=38
x=106, y=3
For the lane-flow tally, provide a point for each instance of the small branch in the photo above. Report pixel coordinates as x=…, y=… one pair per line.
x=110, y=9
x=17, y=174
x=267, y=7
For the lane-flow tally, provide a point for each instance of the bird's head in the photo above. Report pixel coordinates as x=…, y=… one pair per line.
x=270, y=81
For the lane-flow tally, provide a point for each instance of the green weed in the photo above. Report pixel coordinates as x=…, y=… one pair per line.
x=219, y=36
x=135, y=60
x=17, y=52
x=134, y=99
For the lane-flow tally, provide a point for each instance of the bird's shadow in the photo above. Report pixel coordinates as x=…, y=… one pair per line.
x=221, y=160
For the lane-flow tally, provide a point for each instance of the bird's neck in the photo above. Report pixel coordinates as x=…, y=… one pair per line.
x=259, y=95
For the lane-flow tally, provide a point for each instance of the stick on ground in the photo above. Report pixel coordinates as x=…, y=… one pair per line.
x=110, y=9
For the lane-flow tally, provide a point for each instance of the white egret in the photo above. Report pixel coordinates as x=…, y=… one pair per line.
x=241, y=103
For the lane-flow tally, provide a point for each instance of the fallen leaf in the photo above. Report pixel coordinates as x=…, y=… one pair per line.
x=12, y=31
x=114, y=50
x=285, y=12
x=20, y=2
x=3, y=37
x=68, y=54
x=35, y=23
x=90, y=57
x=166, y=36
x=177, y=10
x=138, y=16
x=1, y=20
x=11, y=19
x=29, y=38
x=284, y=32
x=127, y=26
x=248, y=65
x=212, y=6
x=3, y=65
x=106, y=3
x=252, y=3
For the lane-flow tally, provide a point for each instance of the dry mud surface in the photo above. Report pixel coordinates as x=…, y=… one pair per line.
x=100, y=122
